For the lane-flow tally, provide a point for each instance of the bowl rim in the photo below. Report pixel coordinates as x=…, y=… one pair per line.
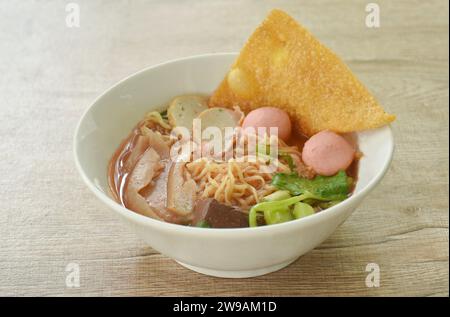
x=221, y=232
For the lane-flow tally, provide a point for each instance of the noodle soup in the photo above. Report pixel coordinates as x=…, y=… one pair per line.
x=214, y=167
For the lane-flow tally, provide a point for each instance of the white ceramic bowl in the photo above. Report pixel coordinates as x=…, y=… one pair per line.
x=243, y=252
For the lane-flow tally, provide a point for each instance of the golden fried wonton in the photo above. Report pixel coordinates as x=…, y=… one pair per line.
x=283, y=65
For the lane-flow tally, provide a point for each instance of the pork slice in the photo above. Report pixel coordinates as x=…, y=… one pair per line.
x=138, y=204
x=140, y=145
x=157, y=143
x=181, y=193
x=156, y=196
x=144, y=171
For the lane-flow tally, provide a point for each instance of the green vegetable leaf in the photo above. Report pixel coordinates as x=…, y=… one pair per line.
x=302, y=210
x=326, y=188
x=274, y=211
x=202, y=224
x=278, y=216
x=327, y=204
x=278, y=195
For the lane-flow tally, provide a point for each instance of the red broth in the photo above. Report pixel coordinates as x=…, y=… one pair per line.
x=118, y=172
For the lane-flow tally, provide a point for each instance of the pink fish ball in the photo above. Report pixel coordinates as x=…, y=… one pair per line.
x=267, y=117
x=327, y=153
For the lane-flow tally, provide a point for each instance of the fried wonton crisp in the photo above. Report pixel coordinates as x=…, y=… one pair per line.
x=284, y=65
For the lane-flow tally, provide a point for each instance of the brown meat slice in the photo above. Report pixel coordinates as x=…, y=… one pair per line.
x=145, y=169
x=217, y=215
x=156, y=142
x=156, y=194
x=140, y=145
x=143, y=173
x=181, y=193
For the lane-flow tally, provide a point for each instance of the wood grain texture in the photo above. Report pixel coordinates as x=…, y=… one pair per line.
x=51, y=73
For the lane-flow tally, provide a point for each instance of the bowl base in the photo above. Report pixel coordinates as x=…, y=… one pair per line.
x=237, y=274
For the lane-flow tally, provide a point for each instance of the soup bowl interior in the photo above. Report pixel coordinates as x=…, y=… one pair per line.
x=219, y=252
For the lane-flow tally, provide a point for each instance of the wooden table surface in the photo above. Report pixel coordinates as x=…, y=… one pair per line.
x=50, y=73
